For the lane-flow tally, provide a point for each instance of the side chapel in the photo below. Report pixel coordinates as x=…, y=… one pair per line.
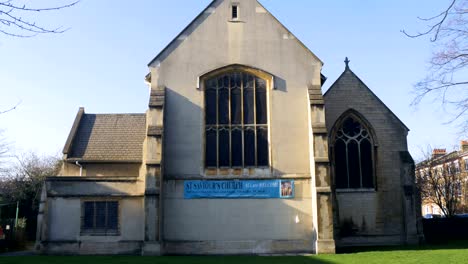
x=239, y=152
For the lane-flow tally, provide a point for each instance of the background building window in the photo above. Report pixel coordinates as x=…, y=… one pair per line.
x=100, y=218
x=236, y=121
x=353, y=155
x=457, y=167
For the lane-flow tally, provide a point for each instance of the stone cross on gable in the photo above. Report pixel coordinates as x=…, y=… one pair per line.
x=347, y=62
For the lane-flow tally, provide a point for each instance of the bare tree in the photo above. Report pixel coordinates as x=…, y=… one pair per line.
x=447, y=79
x=25, y=177
x=23, y=183
x=441, y=183
x=4, y=150
x=16, y=21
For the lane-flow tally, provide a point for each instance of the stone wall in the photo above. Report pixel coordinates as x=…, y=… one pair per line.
x=380, y=215
x=248, y=226
x=63, y=234
x=256, y=41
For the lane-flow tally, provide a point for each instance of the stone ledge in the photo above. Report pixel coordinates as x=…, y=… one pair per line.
x=156, y=163
x=155, y=131
x=96, y=186
x=316, y=91
x=92, y=178
x=315, y=96
x=317, y=102
x=324, y=190
x=236, y=177
x=314, y=87
x=318, y=125
x=157, y=98
x=107, y=195
x=319, y=130
x=321, y=160
x=357, y=190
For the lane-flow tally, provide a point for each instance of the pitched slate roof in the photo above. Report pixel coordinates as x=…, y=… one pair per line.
x=106, y=138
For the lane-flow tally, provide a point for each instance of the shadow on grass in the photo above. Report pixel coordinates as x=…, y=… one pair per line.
x=454, y=244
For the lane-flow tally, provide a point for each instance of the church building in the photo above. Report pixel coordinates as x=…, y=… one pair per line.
x=239, y=152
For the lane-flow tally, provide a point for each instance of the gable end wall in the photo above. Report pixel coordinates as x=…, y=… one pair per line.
x=378, y=213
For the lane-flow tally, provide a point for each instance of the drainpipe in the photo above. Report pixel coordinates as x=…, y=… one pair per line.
x=81, y=168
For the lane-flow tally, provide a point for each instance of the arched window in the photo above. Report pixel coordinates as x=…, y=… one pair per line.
x=236, y=121
x=353, y=154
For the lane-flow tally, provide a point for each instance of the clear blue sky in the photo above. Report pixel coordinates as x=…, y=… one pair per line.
x=100, y=63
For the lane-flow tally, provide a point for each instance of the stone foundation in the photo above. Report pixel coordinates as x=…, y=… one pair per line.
x=89, y=248
x=247, y=247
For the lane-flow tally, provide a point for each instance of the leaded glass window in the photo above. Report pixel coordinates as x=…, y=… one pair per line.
x=353, y=155
x=236, y=121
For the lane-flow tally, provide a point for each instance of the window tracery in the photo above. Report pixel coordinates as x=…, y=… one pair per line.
x=236, y=121
x=354, y=156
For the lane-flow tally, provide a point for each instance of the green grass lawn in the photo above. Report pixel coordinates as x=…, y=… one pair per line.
x=448, y=253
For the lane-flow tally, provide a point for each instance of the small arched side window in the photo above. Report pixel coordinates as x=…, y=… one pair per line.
x=353, y=154
x=236, y=122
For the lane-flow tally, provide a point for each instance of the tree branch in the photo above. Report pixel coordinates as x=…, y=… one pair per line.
x=11, y=17
x=435, y=27
x=11, y=109
x=8, y=4
x=446, y=79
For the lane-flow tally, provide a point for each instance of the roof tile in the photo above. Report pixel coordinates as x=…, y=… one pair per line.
x=109, y=137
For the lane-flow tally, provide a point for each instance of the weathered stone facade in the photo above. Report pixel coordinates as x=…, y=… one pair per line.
x=154, y=217
x=385, y=214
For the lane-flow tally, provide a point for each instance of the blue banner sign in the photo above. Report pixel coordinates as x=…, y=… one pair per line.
x=238, y=189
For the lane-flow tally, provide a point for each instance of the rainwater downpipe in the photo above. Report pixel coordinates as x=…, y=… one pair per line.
x=81, y=168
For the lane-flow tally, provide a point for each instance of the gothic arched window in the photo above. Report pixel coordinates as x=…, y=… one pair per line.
x=353, y=155
x=236, y=134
